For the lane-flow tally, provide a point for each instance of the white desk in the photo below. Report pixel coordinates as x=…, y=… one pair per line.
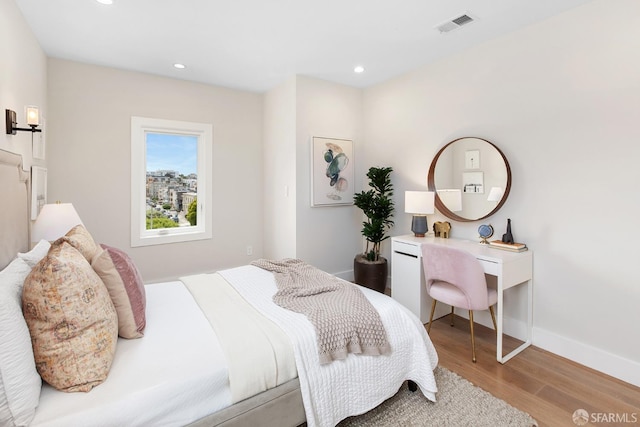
x=510, y=268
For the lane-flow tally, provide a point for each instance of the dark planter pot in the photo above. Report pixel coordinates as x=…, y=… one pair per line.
x=372, y=274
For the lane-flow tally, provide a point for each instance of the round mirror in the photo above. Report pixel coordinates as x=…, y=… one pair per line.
x=471, y=178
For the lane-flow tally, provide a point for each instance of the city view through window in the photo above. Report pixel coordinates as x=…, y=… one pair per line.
x=171, y=180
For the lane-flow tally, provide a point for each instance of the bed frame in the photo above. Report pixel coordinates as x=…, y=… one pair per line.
x=280, y=406
x=14, y=214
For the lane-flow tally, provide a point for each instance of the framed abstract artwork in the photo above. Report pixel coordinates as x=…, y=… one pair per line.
x=332, y=172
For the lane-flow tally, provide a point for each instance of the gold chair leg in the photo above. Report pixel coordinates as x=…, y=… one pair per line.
x=473, y=340
x=452, y=308
x=493, y=317
x=433, y=310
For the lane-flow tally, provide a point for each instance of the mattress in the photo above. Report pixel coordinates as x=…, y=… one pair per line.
x=181, y=367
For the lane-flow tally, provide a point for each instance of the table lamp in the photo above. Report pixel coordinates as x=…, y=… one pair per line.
x=419, y=203
x=54, y=221
x=495, y=194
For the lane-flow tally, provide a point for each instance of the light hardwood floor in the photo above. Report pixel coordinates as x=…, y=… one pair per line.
x=548, y=387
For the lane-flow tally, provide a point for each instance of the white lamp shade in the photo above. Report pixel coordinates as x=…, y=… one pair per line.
x=54, y=221
x=495, y=194
x=33, y=116
x=451, y=198
x=419, y=202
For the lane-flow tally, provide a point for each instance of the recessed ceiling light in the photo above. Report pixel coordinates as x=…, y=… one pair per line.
x=358, y=69
x=105, y=1
x=179, y=66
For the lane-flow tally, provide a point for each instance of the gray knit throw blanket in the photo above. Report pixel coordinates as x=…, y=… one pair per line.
x=344, y=320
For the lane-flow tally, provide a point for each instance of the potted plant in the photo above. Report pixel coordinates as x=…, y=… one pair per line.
x=369, y=268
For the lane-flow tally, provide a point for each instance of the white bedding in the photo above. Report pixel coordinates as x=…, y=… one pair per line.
x=139, y=390
x=359, y=383
x=259, y=354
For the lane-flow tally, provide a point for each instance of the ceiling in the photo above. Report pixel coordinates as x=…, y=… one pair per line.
x=257, y=44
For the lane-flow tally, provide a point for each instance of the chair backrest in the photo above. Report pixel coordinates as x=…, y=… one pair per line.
x=459, y=268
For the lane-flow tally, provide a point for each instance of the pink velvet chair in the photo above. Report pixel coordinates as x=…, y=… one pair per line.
x=456, y=278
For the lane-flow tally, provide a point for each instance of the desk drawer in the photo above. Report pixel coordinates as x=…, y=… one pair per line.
x=406, y=249
x=490, y=267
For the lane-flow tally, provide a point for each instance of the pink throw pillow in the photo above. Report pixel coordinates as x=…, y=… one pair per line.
x=126, y=288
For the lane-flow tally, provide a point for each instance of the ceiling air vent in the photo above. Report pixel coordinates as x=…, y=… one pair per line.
x=455, y=23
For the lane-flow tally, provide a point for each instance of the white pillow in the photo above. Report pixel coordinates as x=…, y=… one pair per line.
x=19, y=380
x=38, y=252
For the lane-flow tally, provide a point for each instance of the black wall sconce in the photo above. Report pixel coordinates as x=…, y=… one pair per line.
x=33, y=120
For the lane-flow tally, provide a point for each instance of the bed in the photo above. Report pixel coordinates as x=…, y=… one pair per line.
x=195, y=366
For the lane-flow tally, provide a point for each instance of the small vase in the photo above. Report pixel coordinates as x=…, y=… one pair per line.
x=508, y=236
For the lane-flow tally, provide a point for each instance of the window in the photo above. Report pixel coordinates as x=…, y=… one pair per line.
x=171, y=165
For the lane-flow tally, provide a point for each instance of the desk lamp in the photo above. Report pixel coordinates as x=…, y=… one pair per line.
x=495, y=194
x=419, y=203
x=54, y=221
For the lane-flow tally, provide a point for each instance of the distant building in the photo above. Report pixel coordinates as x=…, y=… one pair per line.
x=187, y=199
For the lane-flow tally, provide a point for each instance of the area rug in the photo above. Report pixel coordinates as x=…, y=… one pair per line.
x=459, y=403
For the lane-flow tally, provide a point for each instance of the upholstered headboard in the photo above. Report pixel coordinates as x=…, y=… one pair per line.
x=14, y=207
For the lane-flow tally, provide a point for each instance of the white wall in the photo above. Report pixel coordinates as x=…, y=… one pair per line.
x=90, y=157
x=279, y=180
x=327, y=237
x=561, y=99
x=23, y=78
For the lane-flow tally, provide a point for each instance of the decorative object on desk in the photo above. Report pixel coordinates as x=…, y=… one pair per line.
x=419, y=203
x=442, y=229
x=485, y=231
x=513, y=247
x=369, y=268
x=508, y=236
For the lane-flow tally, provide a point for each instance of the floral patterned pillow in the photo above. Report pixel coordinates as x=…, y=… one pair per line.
x=71, y=319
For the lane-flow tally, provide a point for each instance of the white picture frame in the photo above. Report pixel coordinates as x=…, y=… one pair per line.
x=332, y=172
x=472, y=183
x=38, y=190
x=472, y=159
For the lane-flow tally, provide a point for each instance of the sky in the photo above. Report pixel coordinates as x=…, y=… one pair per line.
x=172, y=152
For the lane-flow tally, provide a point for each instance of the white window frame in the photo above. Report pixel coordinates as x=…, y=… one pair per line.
x=140, y=236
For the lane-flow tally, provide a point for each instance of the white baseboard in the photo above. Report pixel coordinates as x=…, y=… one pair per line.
x=510, y=326
x=345, y=275
x=595, y=358
x=611, y=364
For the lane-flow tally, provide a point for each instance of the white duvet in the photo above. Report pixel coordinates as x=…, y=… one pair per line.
x=356, y=385
x=174, y=375
x=178, y=372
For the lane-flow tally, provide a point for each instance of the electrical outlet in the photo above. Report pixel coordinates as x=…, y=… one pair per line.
x=249, y=250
